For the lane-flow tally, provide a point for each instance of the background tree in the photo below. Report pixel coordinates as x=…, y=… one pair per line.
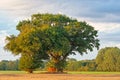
x=82, y=65
x=3, y=65
x=108, y=59
x=9, y=65
x=53, y=35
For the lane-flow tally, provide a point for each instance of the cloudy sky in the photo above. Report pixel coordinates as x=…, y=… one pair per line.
x=103, y=15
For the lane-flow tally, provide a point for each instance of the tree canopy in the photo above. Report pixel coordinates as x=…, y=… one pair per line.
x=108, y=59
x=52, y=36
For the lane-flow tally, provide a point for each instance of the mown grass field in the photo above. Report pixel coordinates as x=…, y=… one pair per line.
x=74, y=72
x=68, y=72
x=22, y=75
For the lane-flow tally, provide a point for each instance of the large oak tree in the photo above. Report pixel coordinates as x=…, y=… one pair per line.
x=53, y=35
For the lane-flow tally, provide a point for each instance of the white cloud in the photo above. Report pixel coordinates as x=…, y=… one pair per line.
x=13, y=4
x=110, y=44
x=3, y=35
x=20, y=9
x=101, y=26
x=105, y=27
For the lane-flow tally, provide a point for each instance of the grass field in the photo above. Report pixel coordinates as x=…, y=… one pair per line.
x=18, y=72
x=21, y=75
x=94, y=72
x=12, y=72
x=69, y=72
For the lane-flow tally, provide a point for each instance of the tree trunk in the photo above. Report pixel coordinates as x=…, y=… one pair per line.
x=30, y=71
x=60, y=70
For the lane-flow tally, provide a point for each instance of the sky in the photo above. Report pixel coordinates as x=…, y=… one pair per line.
x=103, y=15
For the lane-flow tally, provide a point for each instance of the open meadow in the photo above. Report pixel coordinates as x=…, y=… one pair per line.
x=20, y=75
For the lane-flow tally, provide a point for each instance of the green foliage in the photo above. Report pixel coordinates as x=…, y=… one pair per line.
x=29, y=62
x=108, y=59
x=82, y=37
x=9, y=65
x=53, y=36
x=27, y=43
x=84, y=65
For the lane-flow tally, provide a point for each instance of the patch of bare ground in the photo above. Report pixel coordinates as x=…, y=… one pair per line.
x=59, y=77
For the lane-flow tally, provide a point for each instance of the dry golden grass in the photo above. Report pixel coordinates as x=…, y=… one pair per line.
x=59, y=77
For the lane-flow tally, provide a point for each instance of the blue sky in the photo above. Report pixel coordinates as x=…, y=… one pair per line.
x=103, y=15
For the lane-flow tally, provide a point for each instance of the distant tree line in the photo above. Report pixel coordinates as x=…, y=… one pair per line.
x=72, y=65
x=9, y=65
x=83, y=65
x=108, y=59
